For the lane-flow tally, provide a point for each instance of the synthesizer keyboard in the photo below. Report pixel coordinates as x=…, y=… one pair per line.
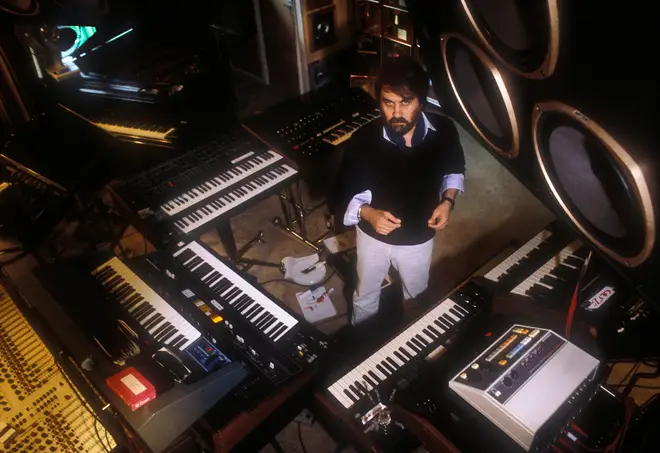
x=199, y=215
x=242, y=167
x=278, y=342
x=314, y=124
x=162, y=322
x=428, y=336
x=209, y=183
x=530, y=256
x=267, y=317
x=557, y=275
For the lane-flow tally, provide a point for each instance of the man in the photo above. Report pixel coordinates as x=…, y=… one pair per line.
x=398, y=184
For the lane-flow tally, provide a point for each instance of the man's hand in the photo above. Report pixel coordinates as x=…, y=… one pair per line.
x=440, y=217
x=382, y=221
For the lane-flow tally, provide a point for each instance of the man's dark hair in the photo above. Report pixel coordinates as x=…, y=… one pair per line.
x=403, y=74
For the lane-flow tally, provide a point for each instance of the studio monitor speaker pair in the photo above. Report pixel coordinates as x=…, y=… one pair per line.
x=564, y=93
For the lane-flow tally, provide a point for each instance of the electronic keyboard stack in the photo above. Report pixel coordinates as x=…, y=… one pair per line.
x=198, y=297
x=209, y=184
x=545, y=268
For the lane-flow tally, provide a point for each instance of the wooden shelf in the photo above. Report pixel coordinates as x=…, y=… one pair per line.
x=398, y=41
x=396, y=8
x=385, y=13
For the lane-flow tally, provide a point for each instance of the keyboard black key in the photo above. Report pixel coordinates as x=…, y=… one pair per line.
x=400, y=356
x=177, y=339
x=211, y=277
x=278, y=330
x=127, y=303
x=134, y=302
x=268, y=324
x=180, y=343
x=202, y=270
x=250, y=311
x=369, y=380
x=434, y=330
x=154, y=321
x=447, y=318
x=255, y=314
x=456, y=313
x=382, y=369
x=142, y=308
x=169, y=333
x=259, y=318
x=429, y=334
x=146, y=315
x=158, y=332
x=264, y=319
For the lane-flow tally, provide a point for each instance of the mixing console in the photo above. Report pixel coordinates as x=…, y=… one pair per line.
x=39, y=409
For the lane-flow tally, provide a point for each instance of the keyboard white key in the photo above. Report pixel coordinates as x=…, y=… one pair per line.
x=380, y=365
x=241, y=169
x=547, y=268
x=238, y=291
x=233, y=198
x=155, y=314
x=496, y=273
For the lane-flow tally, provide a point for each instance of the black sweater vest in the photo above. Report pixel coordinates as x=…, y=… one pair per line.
x=403, y=181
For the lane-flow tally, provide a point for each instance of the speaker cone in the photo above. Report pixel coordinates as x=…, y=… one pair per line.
x=595, y=181
x=482, y=93
x=522, y=34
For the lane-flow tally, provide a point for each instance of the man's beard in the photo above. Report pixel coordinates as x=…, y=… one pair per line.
x=401, y=125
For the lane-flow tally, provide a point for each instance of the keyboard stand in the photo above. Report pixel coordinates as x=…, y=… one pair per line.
x=227, y=238
x=288, y=224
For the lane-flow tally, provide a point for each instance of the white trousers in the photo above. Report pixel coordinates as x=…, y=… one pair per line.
x=373, y=262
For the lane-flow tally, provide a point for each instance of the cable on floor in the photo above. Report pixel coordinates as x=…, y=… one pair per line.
x=302, y=444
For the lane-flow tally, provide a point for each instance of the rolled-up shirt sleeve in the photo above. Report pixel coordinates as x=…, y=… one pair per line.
x=351, y=214
x=452, y=181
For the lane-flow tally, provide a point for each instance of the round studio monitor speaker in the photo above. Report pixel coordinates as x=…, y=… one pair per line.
x=523, y=35
x=582, y=79
x=482, y=93
x=596, y=182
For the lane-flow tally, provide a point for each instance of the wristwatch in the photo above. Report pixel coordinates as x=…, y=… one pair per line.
x=359, y=213
x=450, y=200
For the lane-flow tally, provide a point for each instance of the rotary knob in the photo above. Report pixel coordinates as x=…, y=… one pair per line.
x=507, y=382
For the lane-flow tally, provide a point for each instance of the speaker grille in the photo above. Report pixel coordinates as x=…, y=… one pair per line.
x=481, y=93
x=595, y=181
x=523, y=35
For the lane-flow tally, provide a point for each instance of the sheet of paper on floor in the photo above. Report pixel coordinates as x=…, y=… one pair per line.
x=316, y=305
